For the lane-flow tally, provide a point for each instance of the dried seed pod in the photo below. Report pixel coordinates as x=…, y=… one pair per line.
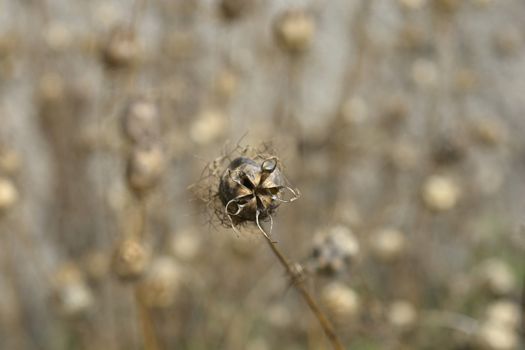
x=71, y=295
x=294, y=31
x=8, y=194
x=333, y=250
x=161, y=284
x=130, y=260
x=252, y=191
x=141, y=121
x=145, y=167
x=121, y=50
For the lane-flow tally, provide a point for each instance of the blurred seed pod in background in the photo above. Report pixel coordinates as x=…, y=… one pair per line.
x=341, y=301
x=161, y=283
x=8, y=194
x=145, y=167
x=388, y=244
x=185, y=245
x=440, y=193
x=294, y=31
x=208, y=127
x=130, y=260
x=495, y=275
x=141, y=122
x=402, y=314
x=121, y=49
x=333, y=250
x=71, y=295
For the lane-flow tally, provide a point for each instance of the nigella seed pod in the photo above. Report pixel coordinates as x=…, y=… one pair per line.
x=251, y=191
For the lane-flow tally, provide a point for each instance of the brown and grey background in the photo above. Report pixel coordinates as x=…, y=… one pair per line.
x=400, y=121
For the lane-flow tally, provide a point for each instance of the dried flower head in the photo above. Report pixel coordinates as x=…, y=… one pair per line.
x=251, y=190
x=130, y=259
x=334, y=249
x=248, y=188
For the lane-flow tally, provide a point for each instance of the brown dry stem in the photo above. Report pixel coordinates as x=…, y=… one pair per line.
x=312, y=304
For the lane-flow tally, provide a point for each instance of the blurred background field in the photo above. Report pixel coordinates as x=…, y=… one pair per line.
x=400, y=121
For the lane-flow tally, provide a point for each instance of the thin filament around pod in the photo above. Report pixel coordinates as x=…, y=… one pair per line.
x=257, y=213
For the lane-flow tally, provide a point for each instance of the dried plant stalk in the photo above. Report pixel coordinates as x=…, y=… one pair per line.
x=300, y=287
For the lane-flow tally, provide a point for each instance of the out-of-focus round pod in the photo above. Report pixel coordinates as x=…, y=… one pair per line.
x=141, y=121
x=388, y=244
x=497, y=277
x=341, y=301
x=130, y=260
x=334, y=249
x=294, y=31
x=505, y=312
x=488, y=132
x=496, y=336
x=440, y=193
x=160, y=286
x=145, y=167
x=209, y=127
x=8, y=194
x=186, y=245
x=121, y=50
x=402, y=314
x=71, y=295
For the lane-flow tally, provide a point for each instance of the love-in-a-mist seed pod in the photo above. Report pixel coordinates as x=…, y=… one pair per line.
x=251, y=191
